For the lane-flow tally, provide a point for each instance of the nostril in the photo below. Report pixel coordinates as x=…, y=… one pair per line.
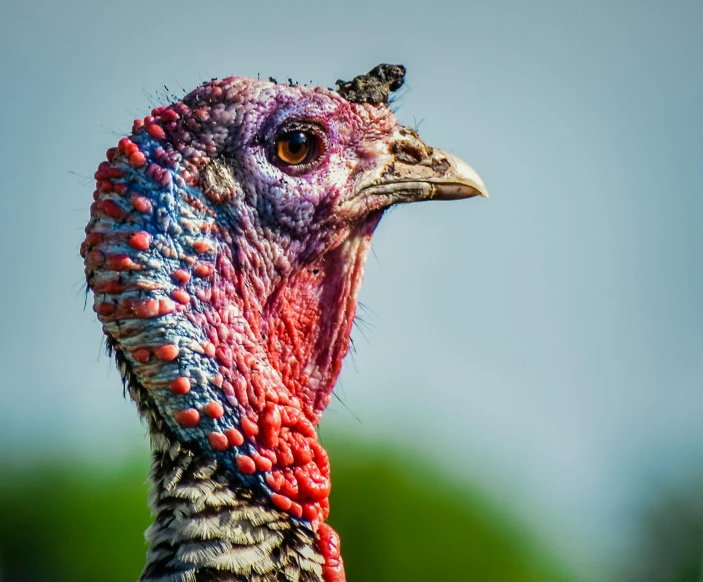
x=411, y=152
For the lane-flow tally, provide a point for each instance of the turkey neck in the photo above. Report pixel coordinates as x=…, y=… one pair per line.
x=209, y=527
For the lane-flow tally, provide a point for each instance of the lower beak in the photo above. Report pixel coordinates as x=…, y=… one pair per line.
x=410, y=171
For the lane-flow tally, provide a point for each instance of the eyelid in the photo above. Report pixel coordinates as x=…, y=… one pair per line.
x=299, y=125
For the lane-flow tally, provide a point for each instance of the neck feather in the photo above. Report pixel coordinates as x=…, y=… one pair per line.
x=209, y=528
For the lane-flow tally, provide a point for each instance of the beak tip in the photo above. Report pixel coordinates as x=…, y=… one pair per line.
x=465, y=174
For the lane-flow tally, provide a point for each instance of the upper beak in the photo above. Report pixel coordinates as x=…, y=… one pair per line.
x=410, y=171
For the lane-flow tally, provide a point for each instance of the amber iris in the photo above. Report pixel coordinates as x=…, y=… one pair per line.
x=295, y=147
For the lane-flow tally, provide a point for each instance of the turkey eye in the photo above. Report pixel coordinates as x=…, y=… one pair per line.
x=295, y=147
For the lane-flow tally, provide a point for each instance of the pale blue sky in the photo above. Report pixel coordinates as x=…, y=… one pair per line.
x=547, y=343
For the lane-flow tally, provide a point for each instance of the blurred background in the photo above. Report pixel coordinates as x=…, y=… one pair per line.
x=524, y=402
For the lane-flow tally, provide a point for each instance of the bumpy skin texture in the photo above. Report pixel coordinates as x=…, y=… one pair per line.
x=226, y=283
x=227, y=287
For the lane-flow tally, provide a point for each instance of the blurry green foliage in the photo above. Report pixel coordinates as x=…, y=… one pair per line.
x=79, y=523
x=669, y=541
x=73, y=523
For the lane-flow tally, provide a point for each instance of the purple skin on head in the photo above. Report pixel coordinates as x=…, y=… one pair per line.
x=225, y=252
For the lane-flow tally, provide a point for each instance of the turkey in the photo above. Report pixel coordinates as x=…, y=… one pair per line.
x=225, y=250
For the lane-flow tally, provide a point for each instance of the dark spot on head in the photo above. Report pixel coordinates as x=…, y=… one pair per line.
x=374, y=86
x=440, y=166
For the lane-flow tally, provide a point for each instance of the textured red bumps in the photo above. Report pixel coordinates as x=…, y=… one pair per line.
x=218, y=441
x=251, y=429
x=180, y=385
x=147, y=309
x=224, y=355
x=187, y=418
x=180, y=276
x=142, y=355
x=201, y=246
x=141, y=204
x=169, y=115
x=271, y=424
x=166, y=353
x=121, y=262
x=214, y=409
x=296, y=510
x=156, y=131
x=127, y=146
x=209, y=349
x=140, y=240
x=137, y=159
x=281, y=501
x=105, y=309
x=262, y=463
x=112, y=209
x=246, y=464
x=234, y=437
x=330, y=546
x=166, y=306
x=181, y=296
x=203, y=270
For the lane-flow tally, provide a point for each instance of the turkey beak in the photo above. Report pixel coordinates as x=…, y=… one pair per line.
x=410, y=171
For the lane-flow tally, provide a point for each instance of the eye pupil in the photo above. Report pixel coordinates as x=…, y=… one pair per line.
x=295, y=147
x=297, y=142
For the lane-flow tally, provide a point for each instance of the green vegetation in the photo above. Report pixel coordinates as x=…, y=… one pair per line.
x=77, y=523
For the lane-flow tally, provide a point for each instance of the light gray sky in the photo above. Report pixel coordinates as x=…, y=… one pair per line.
x=547, y=343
